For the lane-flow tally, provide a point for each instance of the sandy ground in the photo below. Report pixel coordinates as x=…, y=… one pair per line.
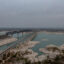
x=6, y=41
x=52, y=54
x=59, y=33
x=28, y=53
x=25, y=46
x=31, y=55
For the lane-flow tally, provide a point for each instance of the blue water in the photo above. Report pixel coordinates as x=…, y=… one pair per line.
x=56, y=39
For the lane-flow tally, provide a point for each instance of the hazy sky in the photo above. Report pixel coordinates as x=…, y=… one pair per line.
x=32, y=13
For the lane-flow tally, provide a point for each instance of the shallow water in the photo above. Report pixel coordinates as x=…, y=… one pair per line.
x=46, y=39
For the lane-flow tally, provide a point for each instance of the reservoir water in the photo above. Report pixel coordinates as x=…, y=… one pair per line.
x=46, y=39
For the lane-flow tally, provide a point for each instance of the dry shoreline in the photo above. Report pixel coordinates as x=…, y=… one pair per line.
x=29, y=53
x=49, y=32
x=52, y=49
x=7, y=40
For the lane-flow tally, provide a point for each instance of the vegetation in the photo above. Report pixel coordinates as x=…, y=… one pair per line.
x=59, y=59
x=18, y=57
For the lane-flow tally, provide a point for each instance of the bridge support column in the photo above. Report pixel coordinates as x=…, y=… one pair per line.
x=22, y=34
x=18, y=35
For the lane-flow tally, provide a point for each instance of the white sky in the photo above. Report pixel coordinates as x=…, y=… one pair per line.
x=32, y=13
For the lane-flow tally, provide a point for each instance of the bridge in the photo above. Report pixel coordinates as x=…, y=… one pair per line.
x=18, y=42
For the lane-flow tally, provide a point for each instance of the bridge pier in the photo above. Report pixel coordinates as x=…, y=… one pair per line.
x=22, y=34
